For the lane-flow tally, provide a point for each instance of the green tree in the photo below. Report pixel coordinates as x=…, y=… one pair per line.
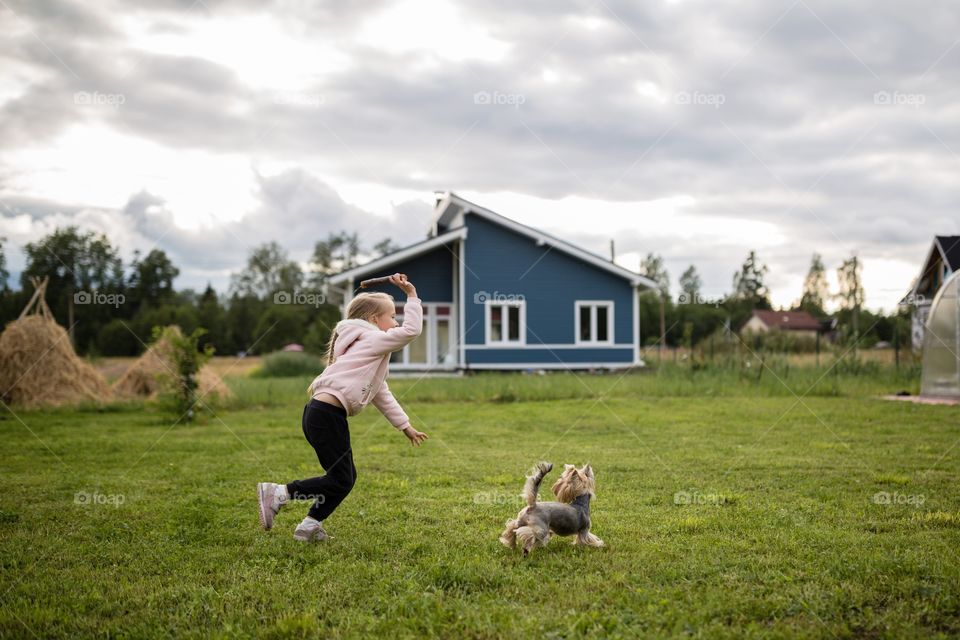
x=268, y=272
x=182, y=383
x=748, y=285
x=79, y=265
x=4, y=274
x=851, y=295
x=279, y=325
x=652, y=267
x=211, y=316
x=151, y=279
x=654, y=304
x=337, y=253
x=242, y=314
x=749, y=290
x=815, y=289
x=690, y=284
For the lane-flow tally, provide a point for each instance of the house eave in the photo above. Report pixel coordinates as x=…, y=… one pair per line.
x=398, y=256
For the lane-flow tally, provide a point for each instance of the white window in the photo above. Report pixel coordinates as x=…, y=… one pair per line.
x=435, y=347
x=506, y=322
x=593, y=322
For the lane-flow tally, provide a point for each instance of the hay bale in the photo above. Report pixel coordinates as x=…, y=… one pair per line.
x=154, y=371
x=39, y=368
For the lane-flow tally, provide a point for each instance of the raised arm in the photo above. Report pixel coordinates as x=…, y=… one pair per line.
x=398, y=337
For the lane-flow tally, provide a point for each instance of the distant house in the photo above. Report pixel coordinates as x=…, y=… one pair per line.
x=943, y=259
x=498, y=294
x=797, y=323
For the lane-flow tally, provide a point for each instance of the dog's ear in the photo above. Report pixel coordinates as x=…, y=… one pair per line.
x=587, y=470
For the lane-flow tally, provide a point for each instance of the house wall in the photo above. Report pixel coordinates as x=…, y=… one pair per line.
x=431, y=273
x=754, y=325
x=500, y=262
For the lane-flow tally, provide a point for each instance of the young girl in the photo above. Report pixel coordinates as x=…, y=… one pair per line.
x=357, y=359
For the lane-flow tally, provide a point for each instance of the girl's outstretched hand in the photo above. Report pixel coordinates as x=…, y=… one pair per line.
x=415, y=437
x=400, y=279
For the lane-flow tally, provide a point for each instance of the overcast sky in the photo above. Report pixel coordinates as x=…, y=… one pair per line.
x=694, y=129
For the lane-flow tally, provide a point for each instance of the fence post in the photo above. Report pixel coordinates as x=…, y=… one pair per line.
x=818, y=349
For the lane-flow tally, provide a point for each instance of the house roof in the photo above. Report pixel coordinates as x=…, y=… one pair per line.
x=400, y=255
x=950, y=250
x=449, y=205
x=788, y=320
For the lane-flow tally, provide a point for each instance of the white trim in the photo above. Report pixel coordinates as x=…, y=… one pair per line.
x=430, y=318
x=530, y=346
x=462, y=338
x=636, y=327
x=347, y=297
x=555, y=365
x=399, y=256
x=541, y=238
x=593, y=304
x=521, y=304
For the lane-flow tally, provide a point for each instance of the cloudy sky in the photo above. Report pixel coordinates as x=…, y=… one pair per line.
x=694, y=129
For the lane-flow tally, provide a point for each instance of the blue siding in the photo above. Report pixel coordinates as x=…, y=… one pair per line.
x=431, y=273
x=549, y=356
x=502, y=261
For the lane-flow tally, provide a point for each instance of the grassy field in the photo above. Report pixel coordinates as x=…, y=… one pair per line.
x=733, y=505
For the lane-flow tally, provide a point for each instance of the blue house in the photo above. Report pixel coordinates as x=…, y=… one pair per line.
x=498, y=294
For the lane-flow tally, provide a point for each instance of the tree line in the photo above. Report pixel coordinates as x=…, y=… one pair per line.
x=691, y=318
x=110, y=308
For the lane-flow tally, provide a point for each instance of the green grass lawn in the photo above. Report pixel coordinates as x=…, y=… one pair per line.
x=729, y=508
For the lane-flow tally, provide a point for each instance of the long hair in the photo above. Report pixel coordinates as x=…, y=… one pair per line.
x=364, y=307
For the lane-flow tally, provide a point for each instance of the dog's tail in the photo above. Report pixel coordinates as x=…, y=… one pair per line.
x=532, y=486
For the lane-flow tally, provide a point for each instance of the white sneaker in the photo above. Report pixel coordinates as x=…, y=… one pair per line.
x=271, y=497
x=310, y=530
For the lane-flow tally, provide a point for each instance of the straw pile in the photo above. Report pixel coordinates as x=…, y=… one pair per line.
x=39, y=368
x=154, y=372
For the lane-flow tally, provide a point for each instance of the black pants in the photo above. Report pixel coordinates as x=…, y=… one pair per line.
x=325, y=427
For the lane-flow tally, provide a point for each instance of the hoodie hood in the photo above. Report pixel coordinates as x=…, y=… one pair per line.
x=348, y=331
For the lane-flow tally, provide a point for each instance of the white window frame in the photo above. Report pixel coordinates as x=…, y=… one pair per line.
x=430, y=324
x=488, y=323
x=593, y=304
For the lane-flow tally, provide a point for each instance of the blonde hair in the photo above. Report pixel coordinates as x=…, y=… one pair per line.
x=364, y=307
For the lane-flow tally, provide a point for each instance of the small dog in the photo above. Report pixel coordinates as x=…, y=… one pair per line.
x=535, y=522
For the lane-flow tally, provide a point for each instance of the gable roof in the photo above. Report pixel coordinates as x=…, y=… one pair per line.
x=788, y=320
x=450, y=205
x=950, y=250
x=400, y=255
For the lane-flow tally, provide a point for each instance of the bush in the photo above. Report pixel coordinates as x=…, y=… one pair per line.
x=289, y=364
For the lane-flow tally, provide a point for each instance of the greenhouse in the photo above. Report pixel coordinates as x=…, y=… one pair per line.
x=941, y=344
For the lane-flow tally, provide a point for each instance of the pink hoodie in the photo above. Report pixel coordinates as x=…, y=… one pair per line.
x=362, y=351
